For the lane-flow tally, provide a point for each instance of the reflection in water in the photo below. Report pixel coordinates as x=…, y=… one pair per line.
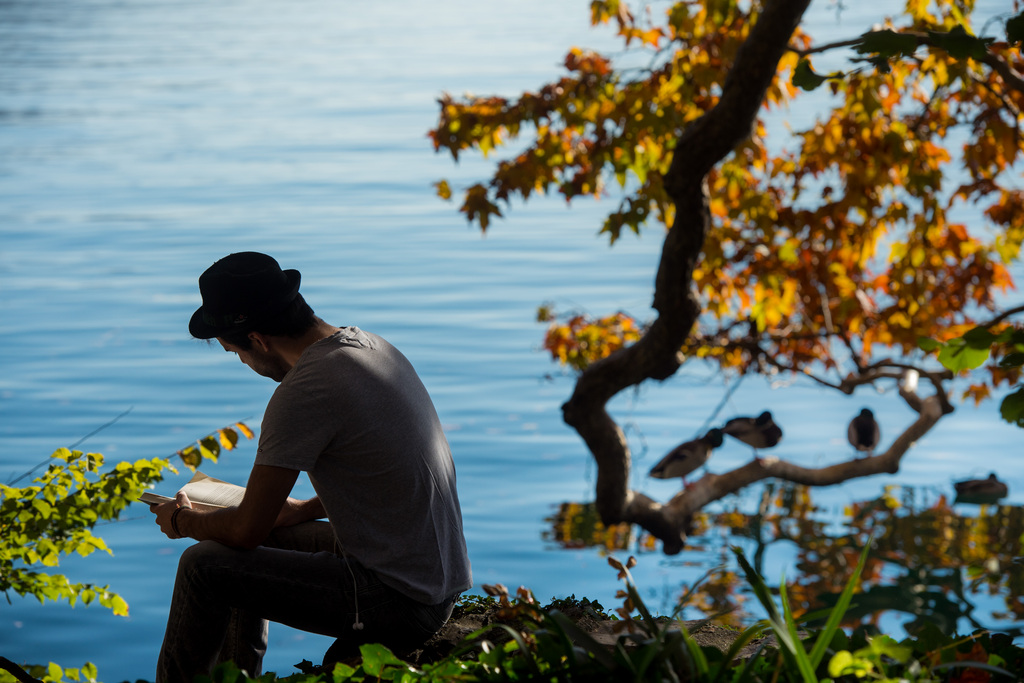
x=931, y=562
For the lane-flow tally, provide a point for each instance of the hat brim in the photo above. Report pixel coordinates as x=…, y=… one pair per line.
x=200, y=328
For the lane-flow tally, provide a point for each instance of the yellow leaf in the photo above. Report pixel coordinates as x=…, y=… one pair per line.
x=444, y=190
x=242, y=427
x=228, y=438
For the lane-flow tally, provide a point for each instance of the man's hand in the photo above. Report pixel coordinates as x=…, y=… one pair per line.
x=165, y=514
x=244, y=526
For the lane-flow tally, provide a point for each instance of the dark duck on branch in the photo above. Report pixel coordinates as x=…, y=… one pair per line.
x=863, y=432
x=686, y=457
x=757, y=432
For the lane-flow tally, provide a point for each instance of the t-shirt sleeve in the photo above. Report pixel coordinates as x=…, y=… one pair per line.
x=295, y=428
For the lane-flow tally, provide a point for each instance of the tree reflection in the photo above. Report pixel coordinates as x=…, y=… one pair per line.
x=931, y=560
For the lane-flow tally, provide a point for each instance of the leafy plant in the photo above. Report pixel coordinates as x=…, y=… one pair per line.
x=51, y=673
x=54, y=516
x=526, y=642
x=879, y=657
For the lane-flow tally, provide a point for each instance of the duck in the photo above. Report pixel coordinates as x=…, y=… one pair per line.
x=990, y=487
x=687, y=457
x=757, y=432
x=863, y=432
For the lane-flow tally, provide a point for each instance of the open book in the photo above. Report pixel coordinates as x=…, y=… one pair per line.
x=204, y=491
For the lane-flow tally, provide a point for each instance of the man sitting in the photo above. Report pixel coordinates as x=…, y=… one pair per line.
x=351, y=412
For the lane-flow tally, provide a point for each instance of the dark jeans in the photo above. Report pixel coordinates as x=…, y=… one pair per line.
x=224, y=597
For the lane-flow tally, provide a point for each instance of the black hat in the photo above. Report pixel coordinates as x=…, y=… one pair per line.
x=240, y=290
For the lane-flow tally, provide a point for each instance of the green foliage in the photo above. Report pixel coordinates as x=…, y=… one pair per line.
x=881, y=47
x=929, y=658
x=543, y=644
x=1015, y=29
x=804, y=76
x=54, y=673
x=55, y=515
x=975, y=347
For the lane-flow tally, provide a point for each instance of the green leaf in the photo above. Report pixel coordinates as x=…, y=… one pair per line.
x=958, y=356
x=42, y=507
x=190, y=456
x=960, y=44
x=885, y=646
x=376, y=657
x=804, y=76
x=928, y=344
x=1012, y=360
x=979, y=338
x=1015, y=29
x=886, y=44
x=1012, y=408
x=209, y=448
x=845, y=663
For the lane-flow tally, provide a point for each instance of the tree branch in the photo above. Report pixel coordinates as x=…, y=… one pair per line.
x=657, y=355
x=1011, y=78
x=679, y=511
x=1008, y=313
x=17, y=671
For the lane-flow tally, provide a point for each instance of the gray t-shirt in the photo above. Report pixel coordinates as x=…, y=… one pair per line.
x=353, y=413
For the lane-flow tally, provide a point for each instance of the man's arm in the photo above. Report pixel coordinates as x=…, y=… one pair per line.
x=297, y=511
x=266, y=501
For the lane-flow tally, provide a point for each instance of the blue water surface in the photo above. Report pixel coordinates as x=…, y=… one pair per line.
x=139, y=142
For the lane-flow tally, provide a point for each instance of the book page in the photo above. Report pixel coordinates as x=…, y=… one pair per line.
x=204, y=491
x=150, y=498
x=213, y=492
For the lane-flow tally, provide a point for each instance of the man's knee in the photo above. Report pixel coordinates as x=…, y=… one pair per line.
x=202, y=553
x=204, y=562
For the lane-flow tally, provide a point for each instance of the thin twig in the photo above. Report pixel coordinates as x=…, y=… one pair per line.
x=100, y=429
x=826, y=47
x=72, y=446
x=718, y=408
x=1004, y=315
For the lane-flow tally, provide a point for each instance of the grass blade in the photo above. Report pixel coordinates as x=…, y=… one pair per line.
x=521, y=644
x=757, y=583
x=697, y=659
x=836, y=615
x=585, y=640
x=803, y=661
x=747, y=635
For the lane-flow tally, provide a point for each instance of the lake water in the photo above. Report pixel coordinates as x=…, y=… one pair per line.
x=139, y=142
